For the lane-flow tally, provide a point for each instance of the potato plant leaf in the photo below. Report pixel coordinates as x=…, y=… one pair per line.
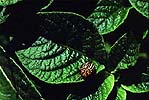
x=68, y=40
x=53, y=63
x=8, y=2
x=142, y=6
x=75, y=31
x=123, y=53
x=108, y=15
x=2, y=16
x=103, y=91
x=17, y=79
x=130, y=57
x=121, y=94
x=137, y=88
x=7, y=91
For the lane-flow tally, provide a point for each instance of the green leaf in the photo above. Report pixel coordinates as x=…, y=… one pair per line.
x=7, y=91
x=103, y=91
x=145, y=34
x=123, y=53
x=68, y=40
x=74, y=31
x=19, y=81
x=99, y=69
x=2, y=16
x=142, y=6
x=8, y=2
x=108, y=15
x=50, y=2
x=121, y=94
x=107, y=47
x=130, y=57
x=53, y=63
x=137, y=88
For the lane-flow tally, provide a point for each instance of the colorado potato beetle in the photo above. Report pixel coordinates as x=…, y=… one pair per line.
x=87, y=69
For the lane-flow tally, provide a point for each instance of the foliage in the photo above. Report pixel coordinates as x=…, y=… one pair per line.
x=108, y=15
x=47, y=46
x=102, y=93
x=141, y=6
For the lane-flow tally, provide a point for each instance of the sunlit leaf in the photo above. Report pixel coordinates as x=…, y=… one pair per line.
x=121, y=94
x=141, y=6
x=8, y=2
x=103, y=91
x=108, y=15
x=53, y=63
x=68, y=41
x=137, y=88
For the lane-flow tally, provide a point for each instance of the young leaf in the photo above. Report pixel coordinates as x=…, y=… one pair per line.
x=24, y=87
x=141, y=6
x=7, y=91
x=137, y=88
x=53, y=63
x=8, y=2
x=123, y=53
x=103, y=91
x=121, y=94
x=108, y=15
